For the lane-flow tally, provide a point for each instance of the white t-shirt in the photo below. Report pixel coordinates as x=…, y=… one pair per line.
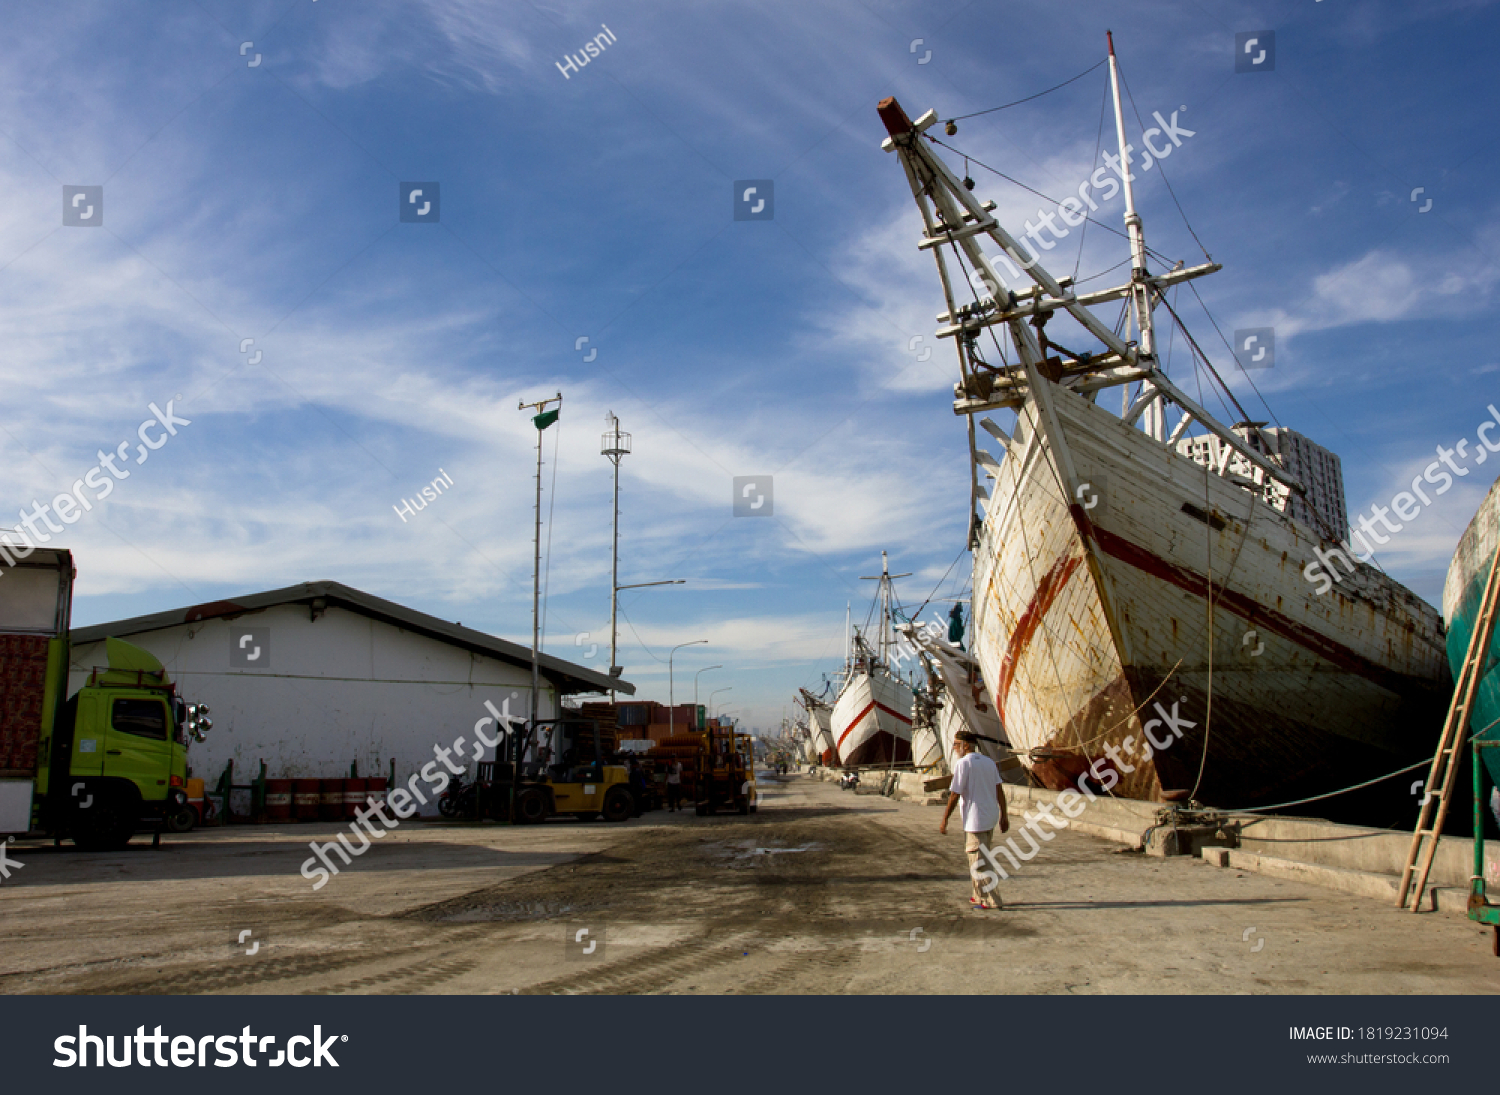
x=975, y=778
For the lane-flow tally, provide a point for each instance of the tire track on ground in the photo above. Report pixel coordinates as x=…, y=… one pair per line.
x=645, y=973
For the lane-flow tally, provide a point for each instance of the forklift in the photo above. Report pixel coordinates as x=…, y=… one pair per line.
x=726, y=772
x=562, y=774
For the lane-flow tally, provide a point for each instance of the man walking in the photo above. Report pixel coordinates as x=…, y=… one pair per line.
x=976, y=782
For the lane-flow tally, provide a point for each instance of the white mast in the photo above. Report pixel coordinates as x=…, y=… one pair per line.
x=1154, y=417
x=847, y=623
x=885, y=598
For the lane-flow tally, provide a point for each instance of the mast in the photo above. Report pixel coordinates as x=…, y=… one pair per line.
x=1154, y=418
x=884, y=599
x=952, y=215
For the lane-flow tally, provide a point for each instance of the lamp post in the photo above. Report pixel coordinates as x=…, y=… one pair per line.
x=614, y=590
x=671, y=691
x=698, y=674
x=614, y=445
x=715, y=692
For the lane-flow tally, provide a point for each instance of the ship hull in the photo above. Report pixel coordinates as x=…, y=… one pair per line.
x=926, y=748
x=871, y=721
x=1462, y=593
x=821, y=743
x=1094, y=635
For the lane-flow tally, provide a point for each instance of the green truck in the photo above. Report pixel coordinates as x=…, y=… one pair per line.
x=99, y=765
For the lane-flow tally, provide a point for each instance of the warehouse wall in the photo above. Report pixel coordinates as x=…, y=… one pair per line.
x=339, y=689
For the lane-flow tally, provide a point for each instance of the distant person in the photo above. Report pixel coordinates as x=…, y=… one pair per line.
x=976, y=782
x=674, y=785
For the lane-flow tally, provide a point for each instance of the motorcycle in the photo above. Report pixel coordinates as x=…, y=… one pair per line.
x=458, y=800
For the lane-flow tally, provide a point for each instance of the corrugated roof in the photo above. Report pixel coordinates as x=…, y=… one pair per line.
x=567, y=677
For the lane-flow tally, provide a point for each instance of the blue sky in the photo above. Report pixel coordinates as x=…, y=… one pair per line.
x=260, y=201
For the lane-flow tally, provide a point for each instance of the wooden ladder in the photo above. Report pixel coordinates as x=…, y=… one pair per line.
x=1444, y=767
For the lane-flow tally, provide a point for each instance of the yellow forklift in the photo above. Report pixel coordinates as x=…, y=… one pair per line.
x=562, y=773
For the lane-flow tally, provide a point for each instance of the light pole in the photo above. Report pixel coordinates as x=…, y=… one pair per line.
x=698, y=674
x=614, y=590
x=615, y=445
x=671, y=691
x=715, y=692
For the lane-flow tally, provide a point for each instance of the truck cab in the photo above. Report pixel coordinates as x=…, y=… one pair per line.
x=117, y=752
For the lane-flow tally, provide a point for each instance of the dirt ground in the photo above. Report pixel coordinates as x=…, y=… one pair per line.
x=822, y=891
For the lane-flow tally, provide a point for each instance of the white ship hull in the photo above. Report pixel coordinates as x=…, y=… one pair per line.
x=819, y=722
x=926, y=746
x=871, y=721
x=1087, y=617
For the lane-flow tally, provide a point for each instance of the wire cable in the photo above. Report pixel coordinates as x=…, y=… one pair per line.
x=1181, y=212
x=1164, y=259
x=1018, y=102
x=1098, y=144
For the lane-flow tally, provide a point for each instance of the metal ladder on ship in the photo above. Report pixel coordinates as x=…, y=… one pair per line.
x=1444, y=768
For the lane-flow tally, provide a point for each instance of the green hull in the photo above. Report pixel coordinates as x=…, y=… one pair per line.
x=1486, y=717
x=1462, y=592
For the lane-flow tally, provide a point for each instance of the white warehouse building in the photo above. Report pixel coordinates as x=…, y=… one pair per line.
x=319, y=676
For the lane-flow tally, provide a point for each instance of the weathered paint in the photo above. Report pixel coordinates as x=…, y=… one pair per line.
x=1344, y=686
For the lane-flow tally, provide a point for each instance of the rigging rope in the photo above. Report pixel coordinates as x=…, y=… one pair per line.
x=917, y=615
x=1018, y=102
x=1181, y=212
x=1164, y=259
x=1098, y=144
x=1244, y=414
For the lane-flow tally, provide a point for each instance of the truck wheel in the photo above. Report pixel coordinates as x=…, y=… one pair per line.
x=531, y=807
x=106, y=826
x=619, y=805
x=182, y=821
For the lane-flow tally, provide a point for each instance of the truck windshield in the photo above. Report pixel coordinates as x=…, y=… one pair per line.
x=144, y=718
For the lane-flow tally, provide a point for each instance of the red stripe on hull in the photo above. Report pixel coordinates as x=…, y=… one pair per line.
x=1250, y=610
x=1046, y=592
x=855, y=721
